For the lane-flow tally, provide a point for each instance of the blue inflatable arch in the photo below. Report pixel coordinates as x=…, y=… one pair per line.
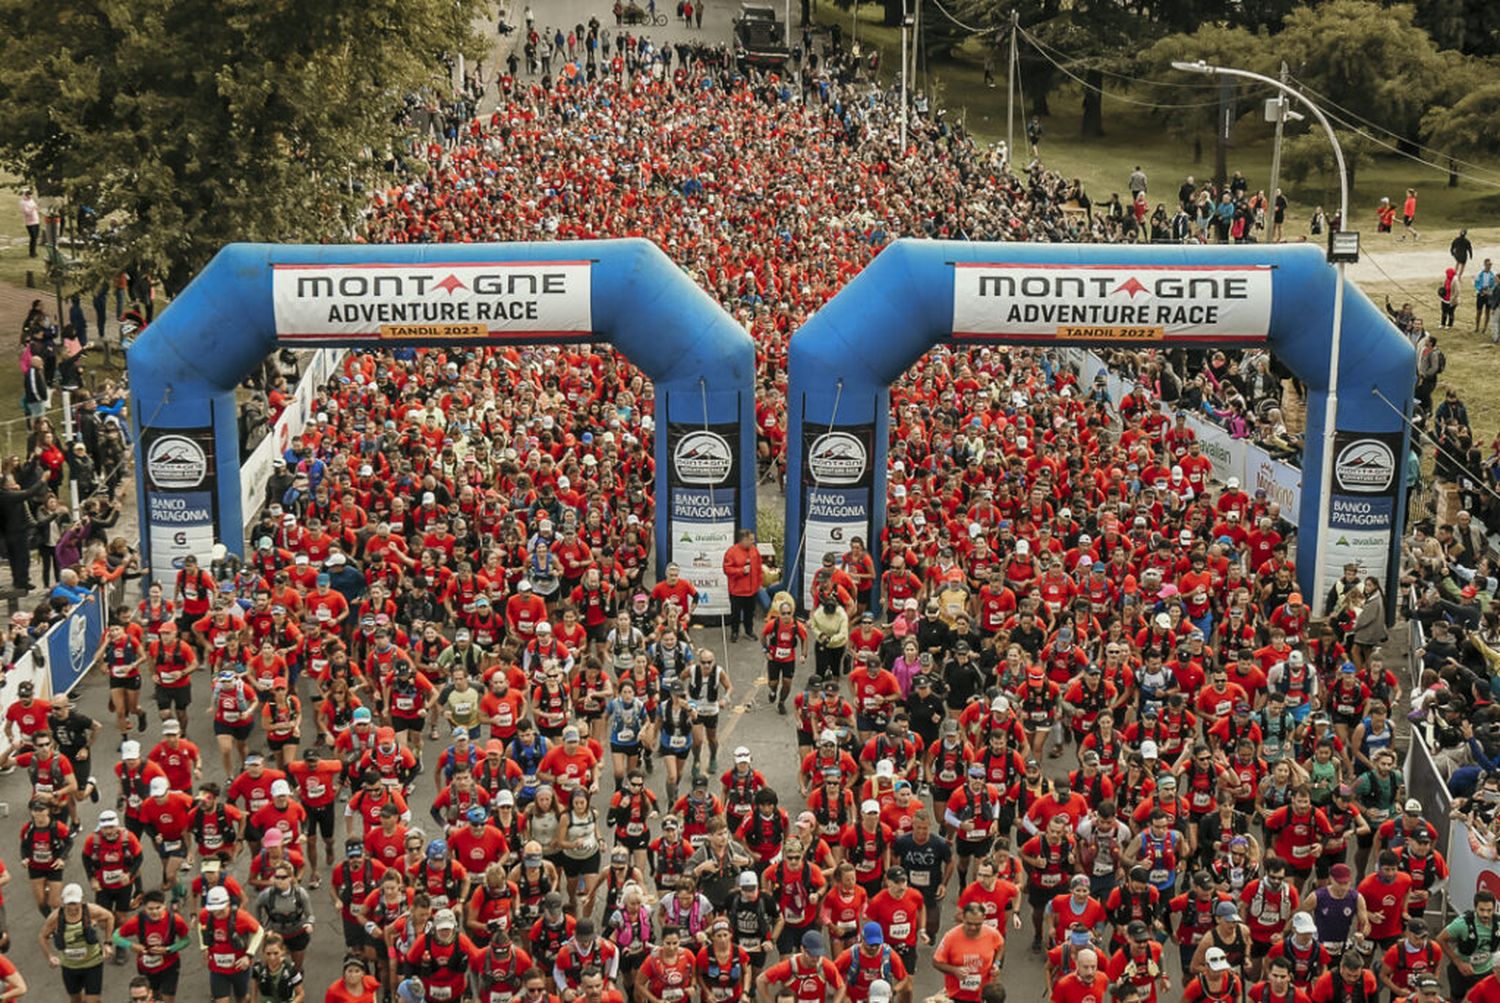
x=252, y=298
x=919, y=294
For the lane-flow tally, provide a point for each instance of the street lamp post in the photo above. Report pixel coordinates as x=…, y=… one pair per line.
x=1331, y=406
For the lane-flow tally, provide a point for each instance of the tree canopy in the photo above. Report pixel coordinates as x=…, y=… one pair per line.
x=187, y=124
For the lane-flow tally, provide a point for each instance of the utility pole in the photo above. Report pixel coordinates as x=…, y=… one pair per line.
x=916, y=47
x=1281, y=117
x=1010, y=88
x=905, y=27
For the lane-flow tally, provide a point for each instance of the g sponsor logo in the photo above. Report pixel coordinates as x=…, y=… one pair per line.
x=176, y=462
x=703, y=458
x=1365, y=465
x=837, y=458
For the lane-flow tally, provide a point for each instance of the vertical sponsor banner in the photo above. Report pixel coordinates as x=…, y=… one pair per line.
x=181, y=496
x=702, y=479
x=1362, y=503
x=1467, y=871
x=837, y=483
x=72, y=644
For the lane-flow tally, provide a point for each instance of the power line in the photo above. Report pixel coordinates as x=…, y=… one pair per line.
x=966, y=27
x=1442, y=168
x=1326, y=100
x=1123, y=76
x=1101, y=92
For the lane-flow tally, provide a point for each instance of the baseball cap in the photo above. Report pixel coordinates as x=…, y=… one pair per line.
x=1217, y=960
x=272, y=837
x=444, y=919
x=280, y=789
x=130, y=750
x=72, y=894
x=108, y=818
x=742, y=755
x=870, y=806
x=812, y=943
x=873, y=934
x=880, y=991
x=1227, y=910
x=1304, y=923
x=749, y=880
x=171, y=727
x=1413, y=806
x=1340, y=872
x=217, y=898
x=159, y=786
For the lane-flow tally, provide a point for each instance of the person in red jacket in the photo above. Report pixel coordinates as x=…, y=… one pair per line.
x=229, y=938
x=746, y=576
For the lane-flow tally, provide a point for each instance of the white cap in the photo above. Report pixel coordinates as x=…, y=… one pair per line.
x=1233, y=483
x=107, y=819
x=337, y=559
x=130, y=750
x=828, y=735
x=1149, y=750
x=280, y=788
x=217, y=897
x=1217, y=960
x=975, y=529
x=543, y=627
x=880, y=991
x=1022, y=547
x=870, y=805
x=505, y=798
x=1414, y=806
x=72, y=894
x=159, y=786
x=1000, y=705
x=1163, y=621
x=428, y=498
x=885, y=768
x=171, y=726
x=1186, y=536
x=444, y=919
x=1295, y=658
x=1302, y=922
x=742, y=755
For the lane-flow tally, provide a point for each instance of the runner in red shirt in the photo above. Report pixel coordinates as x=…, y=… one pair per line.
x=809, y=974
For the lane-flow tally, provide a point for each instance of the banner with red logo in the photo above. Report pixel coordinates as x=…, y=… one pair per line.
x=1213, y=304
x=524, y=300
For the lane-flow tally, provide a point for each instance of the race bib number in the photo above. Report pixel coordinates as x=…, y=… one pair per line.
x=900, y=931
x=1158, y=876
x=1048, y=880
x=224, y=959
x=678, y=741
x=921, y=879
x=625, y=736
x=439, y=992
x=634, y=829
x=75, y=953
x=112, y=876
x=969, y=982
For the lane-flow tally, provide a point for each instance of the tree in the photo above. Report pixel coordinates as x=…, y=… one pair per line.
x=1193, y=112
x=1468, y=125
x=193, y=123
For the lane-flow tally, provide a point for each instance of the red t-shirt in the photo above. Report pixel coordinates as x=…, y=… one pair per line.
x=1071, y=989
x=812, y=981
x=897, y=917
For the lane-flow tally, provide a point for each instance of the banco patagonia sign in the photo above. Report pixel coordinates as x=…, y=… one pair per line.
x=1137, y=303
x=423, y=302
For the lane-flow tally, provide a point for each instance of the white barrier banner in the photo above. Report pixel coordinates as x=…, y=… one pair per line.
x=1226, y=453
x=414, y=302
x=1467, y=871
x=1282, y=481
x=255, y=472
x=1144, y=304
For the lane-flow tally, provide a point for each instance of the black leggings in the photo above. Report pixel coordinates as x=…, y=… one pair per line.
x=830, y=661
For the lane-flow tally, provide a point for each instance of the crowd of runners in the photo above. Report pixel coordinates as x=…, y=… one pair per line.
x=1083, y=720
